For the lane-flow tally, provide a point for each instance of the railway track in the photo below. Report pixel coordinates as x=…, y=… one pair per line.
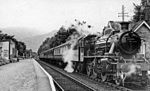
x=66, y=82
x=96, y=86
x=128, y=87
x=110, y=85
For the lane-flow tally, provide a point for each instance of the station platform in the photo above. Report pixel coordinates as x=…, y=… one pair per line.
x=25, y=75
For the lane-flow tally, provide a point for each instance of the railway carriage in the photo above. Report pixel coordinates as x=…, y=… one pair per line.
x=55, y=55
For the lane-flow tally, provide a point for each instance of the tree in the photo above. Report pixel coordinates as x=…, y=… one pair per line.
x=21, y=47
x=138, y=13
x=142, y=11
x=62, y=36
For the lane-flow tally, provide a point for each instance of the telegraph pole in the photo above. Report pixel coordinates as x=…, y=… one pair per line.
x=123, y=14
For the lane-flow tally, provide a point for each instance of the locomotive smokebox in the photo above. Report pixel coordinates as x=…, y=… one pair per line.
x=129, y=43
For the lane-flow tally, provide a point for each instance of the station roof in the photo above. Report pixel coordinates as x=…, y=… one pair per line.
x=139, y=24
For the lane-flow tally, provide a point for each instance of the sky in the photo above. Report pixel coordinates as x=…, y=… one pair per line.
x=43, y=16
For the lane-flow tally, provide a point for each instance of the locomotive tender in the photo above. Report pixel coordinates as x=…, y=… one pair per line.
x=114, y=56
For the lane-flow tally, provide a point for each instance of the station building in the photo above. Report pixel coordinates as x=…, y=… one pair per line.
x=8, y=49
x=143, y=29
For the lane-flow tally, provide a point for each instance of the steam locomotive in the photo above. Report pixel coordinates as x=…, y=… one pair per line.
x=114, y=56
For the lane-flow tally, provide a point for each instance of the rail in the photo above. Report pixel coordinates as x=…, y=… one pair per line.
x=72, y=78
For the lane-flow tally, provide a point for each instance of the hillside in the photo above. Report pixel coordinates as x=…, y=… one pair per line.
x=20, y=32
x=35, y=41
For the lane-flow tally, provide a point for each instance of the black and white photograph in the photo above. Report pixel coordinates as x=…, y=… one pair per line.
x=74, y=45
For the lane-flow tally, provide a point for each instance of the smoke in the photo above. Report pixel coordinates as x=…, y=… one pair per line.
x=69, y=56
x=130, y=69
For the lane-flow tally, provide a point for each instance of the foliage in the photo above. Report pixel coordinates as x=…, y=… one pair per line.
x=21, y=47
x=138, y=13
x=60, y=38
x=63, y=35
x=142, y=11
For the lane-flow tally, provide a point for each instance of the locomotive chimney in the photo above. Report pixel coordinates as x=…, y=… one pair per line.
x=124, y=25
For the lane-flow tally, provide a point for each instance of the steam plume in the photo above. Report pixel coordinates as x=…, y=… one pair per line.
x=130, y=69
x=71, y=54
x=133, y=68
x=68, y=57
